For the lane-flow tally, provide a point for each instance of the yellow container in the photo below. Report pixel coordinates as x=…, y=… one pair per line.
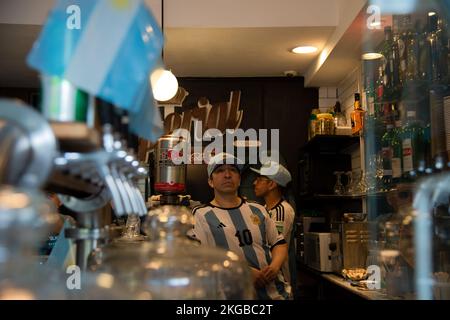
x=325, y=123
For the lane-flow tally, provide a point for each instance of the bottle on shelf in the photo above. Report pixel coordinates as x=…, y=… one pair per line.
x=437, y=46
x=379, y=85
x=436, y=146
x=339, y=118
x=413, y=147
x=425, y=73
x=390, y=65
x=443, y=50
x=387, y=155
x=357, y=115
x=397, y=153
x=412, y=55
x=402, y=40
x=312, y=123
x=370, y=95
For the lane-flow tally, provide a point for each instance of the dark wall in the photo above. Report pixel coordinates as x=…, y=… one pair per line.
x=30, y=96
x=268, y=103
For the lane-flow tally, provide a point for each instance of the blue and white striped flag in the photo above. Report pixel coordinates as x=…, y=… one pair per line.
x=107, y=48
x=146, y=121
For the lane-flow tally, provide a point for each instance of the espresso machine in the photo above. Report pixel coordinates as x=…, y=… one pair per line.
x=170, y=178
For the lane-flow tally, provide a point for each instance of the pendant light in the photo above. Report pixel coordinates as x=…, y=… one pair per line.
x=164, y=83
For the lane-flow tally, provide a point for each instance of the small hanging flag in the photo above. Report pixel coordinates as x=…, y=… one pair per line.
x=107, y=48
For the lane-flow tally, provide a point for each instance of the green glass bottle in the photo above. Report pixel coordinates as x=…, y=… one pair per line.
x=413, y=147
x=391, y=62
x=387, y=152
x=62, y=101
x=412, y=56
x=397, y=153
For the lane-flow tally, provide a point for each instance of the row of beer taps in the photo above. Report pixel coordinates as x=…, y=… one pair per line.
x=114, y=166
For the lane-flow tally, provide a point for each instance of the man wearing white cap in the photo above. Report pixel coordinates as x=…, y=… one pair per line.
x=245, y=228
x=273, y=177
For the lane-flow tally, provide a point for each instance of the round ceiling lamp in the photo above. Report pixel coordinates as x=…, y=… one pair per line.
x=164, y=84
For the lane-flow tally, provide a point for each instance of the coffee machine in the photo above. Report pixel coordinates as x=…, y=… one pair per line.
x=349, y=244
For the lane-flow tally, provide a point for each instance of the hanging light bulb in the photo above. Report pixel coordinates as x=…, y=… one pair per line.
x=164, y=84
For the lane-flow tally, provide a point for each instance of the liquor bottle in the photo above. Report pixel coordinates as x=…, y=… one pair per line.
x=402, y=41
x=312, y=123
x=395, y=66
x=442, y=40
x=390, y=65
x=425, y=72
x=339, y=118
x=412, y=56
x=436, y=134
x=387, y=152
x=397, y=153
x=412, y=145
x=370, y=96
x=357, y=115
x=434, y=49
x=393, y=113
x=379, y=85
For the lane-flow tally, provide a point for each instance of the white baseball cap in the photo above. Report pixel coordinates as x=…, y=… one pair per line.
x=224, y=158
x=276, y=172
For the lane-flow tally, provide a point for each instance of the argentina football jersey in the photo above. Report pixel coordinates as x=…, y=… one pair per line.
x=248, y=231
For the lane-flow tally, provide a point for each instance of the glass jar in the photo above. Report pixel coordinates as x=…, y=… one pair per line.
x=325, y=124
x=170, y=266
x=26, y=219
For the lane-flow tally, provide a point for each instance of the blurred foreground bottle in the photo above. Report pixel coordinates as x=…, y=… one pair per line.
x=26, y=218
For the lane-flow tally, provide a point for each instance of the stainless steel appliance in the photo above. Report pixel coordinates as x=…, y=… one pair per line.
x=355, y=239
x=336, y=247
x=305, y=227
x=317, y=251
x=170, y=176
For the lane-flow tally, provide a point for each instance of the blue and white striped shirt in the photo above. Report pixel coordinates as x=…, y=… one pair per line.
x=248, y=231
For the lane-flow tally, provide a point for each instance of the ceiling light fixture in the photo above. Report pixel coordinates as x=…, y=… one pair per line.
x=304, y=49
x=371, y=56
x=431, y=13
x=164, y=83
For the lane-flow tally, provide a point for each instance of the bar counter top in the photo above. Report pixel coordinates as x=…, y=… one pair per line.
x=363, y=293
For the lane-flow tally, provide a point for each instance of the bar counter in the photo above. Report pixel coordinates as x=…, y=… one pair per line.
x=329, y=286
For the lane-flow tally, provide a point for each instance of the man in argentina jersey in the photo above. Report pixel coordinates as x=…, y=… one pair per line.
x=245, y=228
x=269, y=187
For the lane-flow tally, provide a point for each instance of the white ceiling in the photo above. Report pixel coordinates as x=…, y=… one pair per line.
x=215, y=38
x=241, y=52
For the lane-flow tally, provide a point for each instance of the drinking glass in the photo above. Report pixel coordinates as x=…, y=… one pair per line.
x=350, y=188
x=339, y=187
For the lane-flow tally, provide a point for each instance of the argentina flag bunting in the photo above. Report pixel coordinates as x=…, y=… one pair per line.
x=105, y=47
x=146, y=122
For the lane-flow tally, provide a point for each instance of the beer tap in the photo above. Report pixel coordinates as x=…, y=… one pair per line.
x=429, y=192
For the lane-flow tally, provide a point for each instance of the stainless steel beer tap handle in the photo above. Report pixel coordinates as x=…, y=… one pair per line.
x=121, y=188
x=130, y=193
x=117, y=200
x=142, y=205
x=130, y=172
